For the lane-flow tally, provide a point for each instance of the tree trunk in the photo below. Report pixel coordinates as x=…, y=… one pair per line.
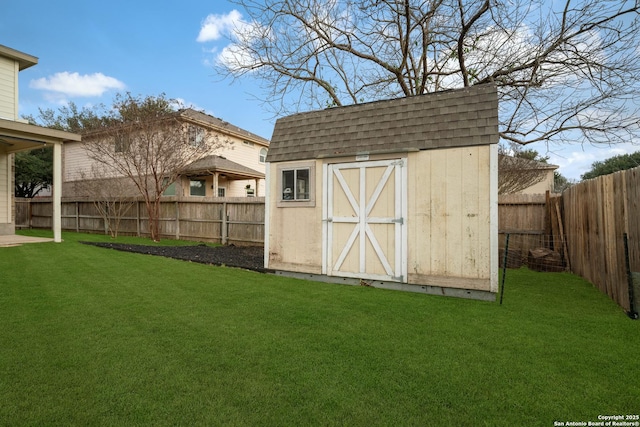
x=153, y=211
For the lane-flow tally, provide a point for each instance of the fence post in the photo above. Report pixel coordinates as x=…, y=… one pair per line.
x=177, y=220
x=224, y=231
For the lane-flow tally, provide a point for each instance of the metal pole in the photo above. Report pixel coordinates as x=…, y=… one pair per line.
x=631, y=313
x=504, y=266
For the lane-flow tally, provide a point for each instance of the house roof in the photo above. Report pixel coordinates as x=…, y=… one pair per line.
x=24, y=60
x=455, y=118
x=223, y=126
x=18, y=136
x=523, y=163
x=204, y=120
x=220, y=164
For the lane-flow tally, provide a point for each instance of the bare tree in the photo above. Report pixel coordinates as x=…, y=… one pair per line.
x=112, y=197
x=515, y=174
x=565, y=70
x=148, y=142
x=519, y=169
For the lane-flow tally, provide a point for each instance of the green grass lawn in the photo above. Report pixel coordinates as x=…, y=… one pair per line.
x=92, y=336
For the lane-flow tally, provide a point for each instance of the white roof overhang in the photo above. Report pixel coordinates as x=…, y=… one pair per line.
x=17, y=136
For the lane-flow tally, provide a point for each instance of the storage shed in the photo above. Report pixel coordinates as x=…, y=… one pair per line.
x=398, y=194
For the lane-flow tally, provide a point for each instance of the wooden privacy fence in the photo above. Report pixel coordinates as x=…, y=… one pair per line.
x=587, y=225
x=223, y=220
x=532, y=221
x=598, y=214
x=203, y=219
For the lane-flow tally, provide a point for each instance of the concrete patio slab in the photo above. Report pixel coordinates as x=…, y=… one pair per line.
x=15, y=240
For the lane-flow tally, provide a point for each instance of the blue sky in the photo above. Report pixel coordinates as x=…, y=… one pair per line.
x=88, y=51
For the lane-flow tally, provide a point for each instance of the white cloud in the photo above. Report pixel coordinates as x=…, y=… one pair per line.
x=235, y=56
x=241, y=34
x=216, y=26
x=74, y=84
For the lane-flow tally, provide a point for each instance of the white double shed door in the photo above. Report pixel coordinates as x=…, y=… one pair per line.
x=365, y=220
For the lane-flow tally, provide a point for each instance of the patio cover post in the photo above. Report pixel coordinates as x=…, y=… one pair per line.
x=57, y=192
x=214, y=187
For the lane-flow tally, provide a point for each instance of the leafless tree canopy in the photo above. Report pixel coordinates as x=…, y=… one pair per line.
x=565, y=70
x=112, y=197
x=516, y=174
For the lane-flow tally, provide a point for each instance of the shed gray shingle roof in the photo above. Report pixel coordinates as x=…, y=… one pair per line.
x=455, y=118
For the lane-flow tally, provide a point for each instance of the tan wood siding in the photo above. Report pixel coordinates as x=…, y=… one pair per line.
x=76, y=162
x=295, y=233
x=8, y=89
x=547, y=184
x=5, y=193
x=246, y=155
x=449, y=216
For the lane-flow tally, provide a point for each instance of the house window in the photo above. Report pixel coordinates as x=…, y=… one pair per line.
x=295, y=184
x=222, y=192
x=263, y=155
x=249, y=143
x=197, y=187
x=170, y=190
x=196, y=136
x=121, y=143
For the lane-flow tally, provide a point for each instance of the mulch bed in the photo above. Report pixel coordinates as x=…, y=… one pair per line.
x=247, y=257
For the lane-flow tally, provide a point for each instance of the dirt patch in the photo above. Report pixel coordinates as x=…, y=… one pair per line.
x=247, y=257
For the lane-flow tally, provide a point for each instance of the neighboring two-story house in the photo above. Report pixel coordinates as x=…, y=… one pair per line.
x=517, y=175
x=234, y=169
x=17, y=135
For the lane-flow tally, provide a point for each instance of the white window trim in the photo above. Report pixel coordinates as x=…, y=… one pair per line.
x=311, y=202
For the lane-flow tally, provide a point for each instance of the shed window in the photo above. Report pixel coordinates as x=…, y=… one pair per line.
x=197, y=187
x=295, y=184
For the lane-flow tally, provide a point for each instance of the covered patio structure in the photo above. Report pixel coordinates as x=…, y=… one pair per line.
x=220, y=170
x=16, y=136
